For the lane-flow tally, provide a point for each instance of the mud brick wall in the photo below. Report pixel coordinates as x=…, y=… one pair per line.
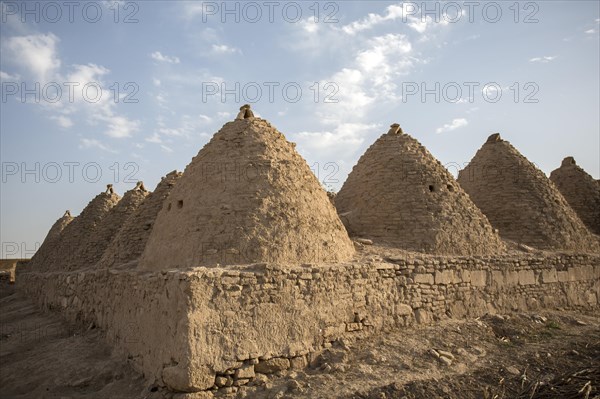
x=205, y=328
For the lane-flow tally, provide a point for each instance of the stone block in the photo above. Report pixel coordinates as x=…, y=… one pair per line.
x=511, y=278
x=444, y=277
x=549, y=276
x=423, y=278
x=188, y=378
x=587, y=273
x=404, y=310
x=298, y=363
x=563, y=276
x=246, y=371
x=465, y=276
x=423, y=316
x=498, y=279
x=478, y=278
x=574, y=274
x=272, y=365
x=526, y=277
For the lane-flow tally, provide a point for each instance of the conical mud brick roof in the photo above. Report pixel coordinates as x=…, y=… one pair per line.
x=129, y=243
x=77, y=233
x=51, y=242
x=247, y=197
x=91, y=250
x=580, y=190
x=399, y=194
x=520, y=201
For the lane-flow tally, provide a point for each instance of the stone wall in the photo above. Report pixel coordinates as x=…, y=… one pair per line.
x=205, y=327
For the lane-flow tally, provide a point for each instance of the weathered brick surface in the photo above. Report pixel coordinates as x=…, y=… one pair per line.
x=68, y=252
x=130, y=241
x=246, y=197
x=399, y=194
x=521, y=202
x=50, y=246
x=580, y=190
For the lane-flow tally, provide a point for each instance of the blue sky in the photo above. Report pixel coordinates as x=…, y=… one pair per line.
x=158, y=64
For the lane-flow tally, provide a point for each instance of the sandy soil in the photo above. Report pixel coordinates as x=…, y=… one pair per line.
x=530, y=355
x=41, y=356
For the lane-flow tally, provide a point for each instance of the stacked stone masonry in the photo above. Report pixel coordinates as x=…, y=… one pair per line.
x=206, y=328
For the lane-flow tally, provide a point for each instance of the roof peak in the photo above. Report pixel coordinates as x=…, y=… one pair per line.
x=494, y=138
x=568, y=161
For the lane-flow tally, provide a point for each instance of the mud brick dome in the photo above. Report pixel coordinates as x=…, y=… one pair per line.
x=521, y=202
x=398, y=193
x=580, y=190
x=66, y=254
x=247, y=197
x=129, y=243
x=51, y=242
x=93, y=248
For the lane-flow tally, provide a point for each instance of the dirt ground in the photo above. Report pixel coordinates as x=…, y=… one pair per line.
x=548, y=354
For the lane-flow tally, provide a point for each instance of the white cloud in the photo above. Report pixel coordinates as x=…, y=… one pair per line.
x=156, y=82
x=543, y=60
x=224, y=49
x=224, y=114
x=309, y=25
x=392, y=12
x=352, y=97
x=423, y=25
x=166, y=149
x=348, y=135
x=455, y=124
x=103, y=110
x=188, y=128
x=7, y=76
x=155, y=138
x=63, y=121
x=385, y=58
x=120, y=126
x=93, y=143
x=192, y=9
x=164, y=58
x=591, y=31
x=36, y=53
x=404, y=11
